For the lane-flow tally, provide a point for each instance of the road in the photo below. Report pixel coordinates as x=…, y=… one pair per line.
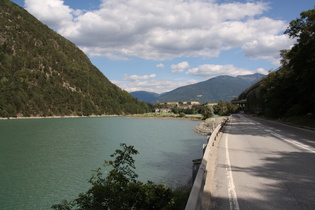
x=262, y=164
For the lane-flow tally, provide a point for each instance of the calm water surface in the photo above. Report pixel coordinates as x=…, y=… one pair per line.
x=43, y=161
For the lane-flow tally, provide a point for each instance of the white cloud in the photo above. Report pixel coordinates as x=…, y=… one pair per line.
x=137, y=77
x=179, y=67
x=166, y=29
x=53, y=12
x=262, y=71
x=157, y=86
x=209, y=70
x=267, y=47
x=160, y=65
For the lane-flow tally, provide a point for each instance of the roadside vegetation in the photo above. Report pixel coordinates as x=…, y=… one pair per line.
x=288, y=94
x=119, y=188
x=202, y=111
x=167, y=115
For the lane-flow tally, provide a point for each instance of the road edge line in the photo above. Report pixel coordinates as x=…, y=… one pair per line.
x=231, y=187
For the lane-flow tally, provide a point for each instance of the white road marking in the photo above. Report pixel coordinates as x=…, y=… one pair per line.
x=231, y=187
x=296, y=143
x=291, y=141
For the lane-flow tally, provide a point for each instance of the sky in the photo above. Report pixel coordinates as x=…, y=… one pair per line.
x=160, y=45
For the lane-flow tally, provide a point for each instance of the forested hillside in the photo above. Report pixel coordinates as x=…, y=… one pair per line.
x=290, y=90
x=43, y=74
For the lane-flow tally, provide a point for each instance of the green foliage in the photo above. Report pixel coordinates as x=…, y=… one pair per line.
x=121, y=190
x=166, y=115
x=182, y=114
x=302, y=60
x=289, y=91
x=43, y=74
x=202, y=109
x=225, y=108
x=206, y=111
x=178, y=110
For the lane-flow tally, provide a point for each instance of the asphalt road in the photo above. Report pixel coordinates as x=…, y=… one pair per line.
x=264, y=165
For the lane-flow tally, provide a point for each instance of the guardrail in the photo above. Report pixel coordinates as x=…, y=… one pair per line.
x=195, y=198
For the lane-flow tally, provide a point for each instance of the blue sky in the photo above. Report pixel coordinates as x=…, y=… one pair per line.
x=159, y=45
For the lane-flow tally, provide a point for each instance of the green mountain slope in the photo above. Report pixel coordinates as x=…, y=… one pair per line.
x=223, y=88
x=145, y=96
x=289, y=93
x=43, y=74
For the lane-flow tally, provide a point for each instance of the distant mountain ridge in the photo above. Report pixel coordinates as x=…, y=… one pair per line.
x=44, y=74
x=223, y=88
x=251, y=78
x=145, y=96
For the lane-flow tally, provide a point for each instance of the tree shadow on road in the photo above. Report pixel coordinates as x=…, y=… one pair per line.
x=262, y=127
x=291, y=178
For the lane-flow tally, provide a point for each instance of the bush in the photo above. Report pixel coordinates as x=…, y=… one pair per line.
x=295, y=110
x=120, y=189
x=182, y=114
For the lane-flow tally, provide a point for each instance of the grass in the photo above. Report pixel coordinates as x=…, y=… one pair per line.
x=162, y=115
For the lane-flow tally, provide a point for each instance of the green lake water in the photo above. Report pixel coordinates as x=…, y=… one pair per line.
x=43, y=161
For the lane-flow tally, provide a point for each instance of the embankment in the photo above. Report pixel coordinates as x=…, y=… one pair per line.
x=207, y=126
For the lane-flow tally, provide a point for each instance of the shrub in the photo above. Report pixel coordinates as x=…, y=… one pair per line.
x=120, y=189
x=182, y=114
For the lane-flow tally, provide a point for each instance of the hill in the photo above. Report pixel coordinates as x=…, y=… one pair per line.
x=43, y=74
x=251, y=78
x=145, y=96
x=288, y=93
x=223, y=88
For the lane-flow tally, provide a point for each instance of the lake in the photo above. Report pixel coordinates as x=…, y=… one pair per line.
x=43, y=161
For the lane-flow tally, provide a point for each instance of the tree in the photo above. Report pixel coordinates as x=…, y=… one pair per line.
x=207, y=112
x=51, y=73
x=225, y=108
x=301, y=60
x=289, y=90
x=182, y=114
x=120, y=189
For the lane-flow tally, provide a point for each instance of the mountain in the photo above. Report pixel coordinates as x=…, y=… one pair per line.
x=43, y=74
x=223, y=88
x=145, y=96
x=251, y=78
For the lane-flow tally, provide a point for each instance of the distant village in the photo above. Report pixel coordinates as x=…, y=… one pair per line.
x=168, y=106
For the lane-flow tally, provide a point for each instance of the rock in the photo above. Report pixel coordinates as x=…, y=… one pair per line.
x=207, y=126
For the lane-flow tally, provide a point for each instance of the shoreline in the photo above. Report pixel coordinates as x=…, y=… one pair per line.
x=55, y=117
x=167, y=118
x=77, y=116
x=207, y=126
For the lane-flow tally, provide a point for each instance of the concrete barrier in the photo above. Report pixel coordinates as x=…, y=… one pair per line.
x=196, y=195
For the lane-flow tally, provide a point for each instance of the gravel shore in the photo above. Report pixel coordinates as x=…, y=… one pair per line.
x=207, y=126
